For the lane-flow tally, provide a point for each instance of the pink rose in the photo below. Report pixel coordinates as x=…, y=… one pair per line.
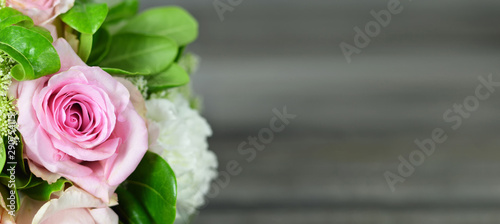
x=71, y=206
x=5, y=217
x=81, y=124
x=41, y=11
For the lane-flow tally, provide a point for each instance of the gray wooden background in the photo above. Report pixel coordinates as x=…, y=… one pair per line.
x=354, y=119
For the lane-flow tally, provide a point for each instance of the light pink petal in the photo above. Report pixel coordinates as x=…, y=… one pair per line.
x=62, y=7
x=28, y=210
x=73, y=216
x=48, y=157
x=96, y=184
x=43, y=173
x=66, y=77
x=72, y=206
x=27, y=121
x=104, y=216
x=5, y=218
x=101, y=152
x=135, y=97
x=68, y=57
x=130, y=151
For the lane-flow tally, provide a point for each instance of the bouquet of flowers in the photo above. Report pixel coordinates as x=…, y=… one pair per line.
x=97, y=120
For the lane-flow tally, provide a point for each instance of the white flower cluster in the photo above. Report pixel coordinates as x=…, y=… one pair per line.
x=8, y=126
x=182, y=141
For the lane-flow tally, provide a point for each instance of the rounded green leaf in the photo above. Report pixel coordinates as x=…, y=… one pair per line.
x=34, y=53
x=86, y=17
x=121, y=10
x=10, y=16
x=131, y=210
x=172, y=22
x=140, y=54
x=44, y=32
x=85, y=46
x=150, y=193
x=174, y=76
x=100, y=46
x=118, y=9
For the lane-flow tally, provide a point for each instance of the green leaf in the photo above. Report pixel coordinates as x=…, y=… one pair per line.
x=118, y=9
x=44, y=32
x=21, y=180
x=149, y=194
x=116, y=71
x=15, y=165
x=41, y=190
x=100, y=46
x=10, y=16
x=19, y=154
x=5, y=191
x=140, y=54
x=34, y=53
x=85, y=46
x=180, y=53
x=132, y=211
x=16, y=155
x=172, y=77
x=171, y=22
x=122, y=10
x=86, y=17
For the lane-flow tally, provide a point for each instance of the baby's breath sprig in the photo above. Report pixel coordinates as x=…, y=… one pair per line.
x=141, y=83
x=190, y=62
x=8, y=112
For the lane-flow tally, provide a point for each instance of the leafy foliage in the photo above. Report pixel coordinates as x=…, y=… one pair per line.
x=111, y=35
x=28, y=45
x=149, y=194
x=171, y=22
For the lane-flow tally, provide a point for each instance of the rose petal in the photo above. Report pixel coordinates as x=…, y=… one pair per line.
x=72, y=207
x=135, y=97
x=43, y=173
x=100, y=152
x=104, y=216
x=28, y=210
x=73, y=216
x=136, y=144
x=67, y=55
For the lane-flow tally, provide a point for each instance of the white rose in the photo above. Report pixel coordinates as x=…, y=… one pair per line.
x=179, y=134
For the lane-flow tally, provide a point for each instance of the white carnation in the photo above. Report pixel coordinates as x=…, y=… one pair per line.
x=182, y=141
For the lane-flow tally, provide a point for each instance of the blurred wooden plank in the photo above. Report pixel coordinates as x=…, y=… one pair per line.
x=375, y=216
x=354, y=119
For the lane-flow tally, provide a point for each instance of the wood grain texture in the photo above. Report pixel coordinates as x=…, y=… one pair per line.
x=354, y=120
